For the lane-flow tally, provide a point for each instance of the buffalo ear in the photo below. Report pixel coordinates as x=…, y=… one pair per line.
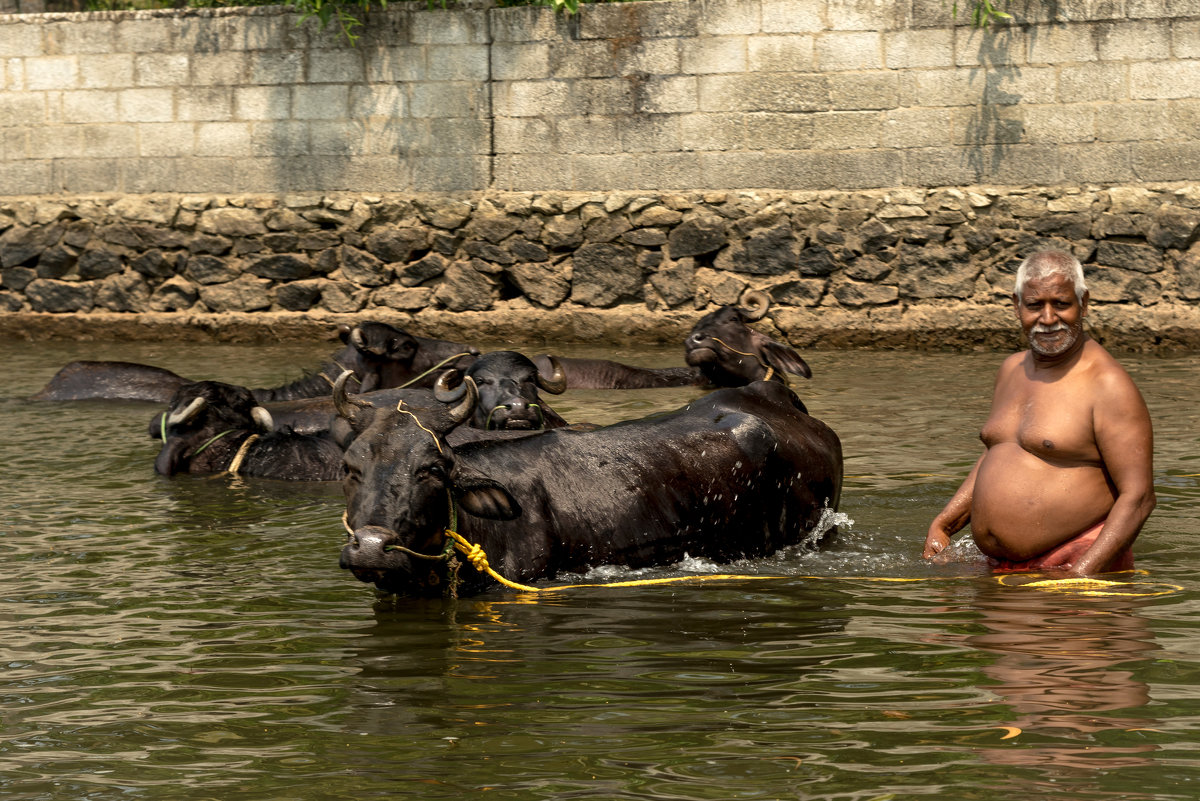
x=781, y=357
x=481, y=496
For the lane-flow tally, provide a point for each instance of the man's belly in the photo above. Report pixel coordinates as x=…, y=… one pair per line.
x=1023, y=506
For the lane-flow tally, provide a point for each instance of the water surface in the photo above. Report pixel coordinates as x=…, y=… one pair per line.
x=193, y=638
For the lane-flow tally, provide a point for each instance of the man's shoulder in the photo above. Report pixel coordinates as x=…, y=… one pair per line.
x=1103, y=369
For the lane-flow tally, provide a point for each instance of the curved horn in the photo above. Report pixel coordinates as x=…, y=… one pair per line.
x=356, y=338
x=556, y=384
x=463, y=410
x=755, y=303
x=345, y=405
x=262, y=418
x=446, y=393
x=190, y=411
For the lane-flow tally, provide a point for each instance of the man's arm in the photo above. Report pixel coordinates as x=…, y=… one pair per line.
x=1125, y=439
x=953, y=518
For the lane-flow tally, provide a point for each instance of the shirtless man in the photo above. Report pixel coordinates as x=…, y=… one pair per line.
x=1066, y=480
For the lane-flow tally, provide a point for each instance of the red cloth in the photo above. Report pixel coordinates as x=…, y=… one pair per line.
x=1065, y=555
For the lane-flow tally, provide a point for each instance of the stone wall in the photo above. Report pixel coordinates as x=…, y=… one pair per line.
x=881, y=268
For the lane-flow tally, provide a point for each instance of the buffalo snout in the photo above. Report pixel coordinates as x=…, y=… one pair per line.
x=370, y=547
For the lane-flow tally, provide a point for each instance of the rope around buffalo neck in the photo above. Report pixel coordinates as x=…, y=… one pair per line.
x=770, y=370
x=437, y=366
x=211, y=440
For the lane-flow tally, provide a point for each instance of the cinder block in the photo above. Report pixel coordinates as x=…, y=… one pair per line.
x=458, y=137
x=395, y=64
x=650, y=133
x=935, y=88
x=1023, y=164
x=679, y=171
x=113, y=71
x=797, y=92
x=714, y=55
x=110, y=141
x=1165, y=161
x=20, y=39
x=1185, y=38
x=1060, y=123
x=1164, y=80
x=1183, y=119
x=458, y=63
x=447, y=100
x=145, y=35
x=602, y=96
x=916, y=127
x=536, y=173
x=638, y=20
x=227, y=139
x=1140, y=40
x=450, y=173
x=262, y=102
x=204, y=103
x=146, y=105
x=701, y=132
x=395, y=137
x=942, y=166
x=1162, y=8
x=777, y=131
x=378, y=174
x=726, y=17
x=590, y=134
x=1127, y=122
x=12, y=74
x=161, y=69
x=919, y=48
x=792, y=16
x=603, y=171
x=864, y=90
x=377, y=100
x=1096, y=163
x=782, y=170
x=586, y=59
x=1009, y=85
x=531, y=98
x=86, y=175
x=144, y=176
x=220, y=69
x=1006, y=46
x=933, y=14
x=449, y=26
x=1062, y=44
x=668, y=94
x=792, y=53
x=276, y=67
x=89, y=107
x=336, y=66
x=335, y=138
x=647, y=56
x=526, y=24
x=1084, y=83
x=55, y=141
x=849, y=50
x=199, y=175
x=865, y=15
x=79, y=36
x=843, y=130
x=522, y=135
x=27, y=177
x=49, y=73
x=320, y=102
x=523, y=61
x=164, y=140
x=21, y=108
x=279, y=138
x=989, y=125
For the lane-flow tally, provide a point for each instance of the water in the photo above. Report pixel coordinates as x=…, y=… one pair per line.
x=193, y=638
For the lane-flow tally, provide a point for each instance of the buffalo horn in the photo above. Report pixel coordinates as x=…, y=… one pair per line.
x=345, y=405
x=262, y=418
x=187, y=413
x=446, y=393
x=755, y=303
x=556, y=384
x=463, y=410
x=356, y=339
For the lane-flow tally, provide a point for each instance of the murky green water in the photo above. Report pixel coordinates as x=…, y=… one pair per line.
x=194, y=638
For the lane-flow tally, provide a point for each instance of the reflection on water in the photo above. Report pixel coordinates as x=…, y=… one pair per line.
x=194, y=637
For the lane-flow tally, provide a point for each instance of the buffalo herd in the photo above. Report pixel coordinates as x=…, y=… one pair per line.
x=433, y=439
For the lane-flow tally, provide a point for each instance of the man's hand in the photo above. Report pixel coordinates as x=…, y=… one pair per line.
x=935, y=541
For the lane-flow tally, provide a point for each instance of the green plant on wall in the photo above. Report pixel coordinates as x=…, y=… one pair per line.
x=983, y=13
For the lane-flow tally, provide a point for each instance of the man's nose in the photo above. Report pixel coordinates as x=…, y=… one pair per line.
x=1047, y=315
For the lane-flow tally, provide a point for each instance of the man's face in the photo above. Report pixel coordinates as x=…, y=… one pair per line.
x=1050, y=314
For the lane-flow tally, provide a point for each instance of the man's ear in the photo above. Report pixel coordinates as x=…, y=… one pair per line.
x=1083, y=302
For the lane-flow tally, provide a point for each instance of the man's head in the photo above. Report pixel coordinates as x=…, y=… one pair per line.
x=1051, y=301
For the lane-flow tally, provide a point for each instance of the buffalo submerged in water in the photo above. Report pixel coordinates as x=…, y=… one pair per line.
x=737, y=474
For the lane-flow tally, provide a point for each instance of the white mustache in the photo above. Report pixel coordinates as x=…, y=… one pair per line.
x=1039, y=328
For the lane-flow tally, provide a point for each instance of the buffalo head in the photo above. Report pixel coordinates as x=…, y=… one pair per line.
x=383, y=356
x=730, y=353
x=403, y=487
x=507, y=384
x=204, y=420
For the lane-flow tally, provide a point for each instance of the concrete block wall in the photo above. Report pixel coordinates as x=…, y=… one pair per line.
x=674, y=95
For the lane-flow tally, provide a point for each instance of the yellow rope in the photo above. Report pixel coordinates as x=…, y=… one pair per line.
x=770, y=370
x=1092, y=586
x=400, y=408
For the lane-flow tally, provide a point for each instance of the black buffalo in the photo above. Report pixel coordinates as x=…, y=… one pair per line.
x=739, y=473
x=508, y=383
x=213, y=427
x=379, y=356
x=729, y=353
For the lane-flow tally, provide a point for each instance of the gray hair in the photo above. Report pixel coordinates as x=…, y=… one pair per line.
x=1046, y=263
